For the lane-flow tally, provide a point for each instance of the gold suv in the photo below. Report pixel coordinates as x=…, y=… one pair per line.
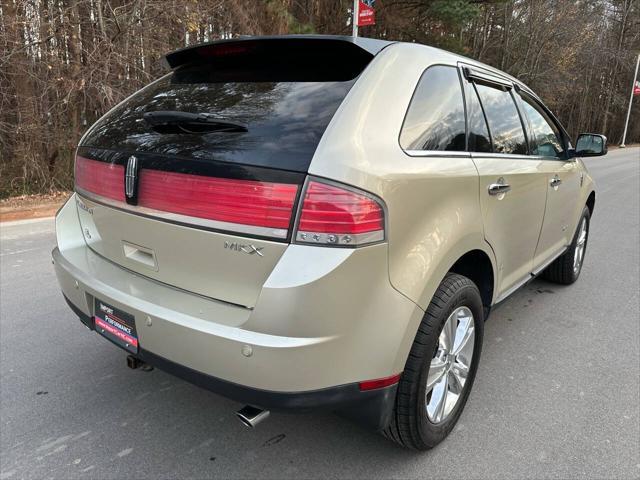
x=310, y=222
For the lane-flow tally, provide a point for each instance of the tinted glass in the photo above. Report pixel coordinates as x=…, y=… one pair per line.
x=504, y=122
x=285, y=117
x=546, y=139
x=479, y=140
x=435, y=119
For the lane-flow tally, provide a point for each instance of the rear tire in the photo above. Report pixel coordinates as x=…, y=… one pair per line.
x=567, y=267
x=441, y=367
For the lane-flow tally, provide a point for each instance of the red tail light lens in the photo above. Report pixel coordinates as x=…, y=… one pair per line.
x=330, y=215
x=100, y=178
x=247, y=206
x=333, y=215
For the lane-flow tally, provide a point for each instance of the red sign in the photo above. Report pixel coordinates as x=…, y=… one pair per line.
x=636, y=89
x=366, y=13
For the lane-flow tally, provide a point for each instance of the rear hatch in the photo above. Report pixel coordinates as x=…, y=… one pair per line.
x=194, y=180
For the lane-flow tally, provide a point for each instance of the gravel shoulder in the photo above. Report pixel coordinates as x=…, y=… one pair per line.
x=31, y=206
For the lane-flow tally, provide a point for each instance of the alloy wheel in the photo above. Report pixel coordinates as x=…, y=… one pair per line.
x=581, y=244
x=450, y=365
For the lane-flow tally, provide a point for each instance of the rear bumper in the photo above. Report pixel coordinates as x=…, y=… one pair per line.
x=326, y=319
x=371, y=408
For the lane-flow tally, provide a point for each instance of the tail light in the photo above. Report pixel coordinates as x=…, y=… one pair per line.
x=330, y=215
x=246, y=206
x=100, y=178
x=333, y=215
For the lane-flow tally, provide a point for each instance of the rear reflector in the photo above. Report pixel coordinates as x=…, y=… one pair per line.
x=336, y=216
x=247, y=206
x=379, y=383
x=100, y=178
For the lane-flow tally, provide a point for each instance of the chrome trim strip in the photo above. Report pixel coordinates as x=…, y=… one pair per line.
x=185, y=219
x=444, y=153
x=436, y=153
x=515, y=287
x=499, y=188
x=539, y=269
x=342, y=240
x=530, y=277
x=130, y=176
x=515, y=156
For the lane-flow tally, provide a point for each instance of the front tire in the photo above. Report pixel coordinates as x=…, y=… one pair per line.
x=441, y=367
x=567, y=267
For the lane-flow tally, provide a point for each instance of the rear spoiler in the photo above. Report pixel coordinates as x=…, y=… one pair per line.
x=280, y=49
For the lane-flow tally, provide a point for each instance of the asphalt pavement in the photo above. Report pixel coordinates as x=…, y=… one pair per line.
x=556, y=394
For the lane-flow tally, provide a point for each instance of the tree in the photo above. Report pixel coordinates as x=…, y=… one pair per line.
x=64, y=63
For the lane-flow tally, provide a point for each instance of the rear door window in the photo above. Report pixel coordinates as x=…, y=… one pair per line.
x=435, y=118
x=479, y=139
x=504, y=121
x=545, y=138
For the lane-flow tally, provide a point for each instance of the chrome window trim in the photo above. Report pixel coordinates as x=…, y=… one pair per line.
x=445, y=153
x=552, y=159
x=515, y=156
x=437, y=153
x=485, y=76
x=231, y=228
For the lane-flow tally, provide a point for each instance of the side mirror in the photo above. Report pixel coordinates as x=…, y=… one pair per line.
x=591, y=145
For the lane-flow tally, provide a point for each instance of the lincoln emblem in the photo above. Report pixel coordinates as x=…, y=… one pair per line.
x=130, y=177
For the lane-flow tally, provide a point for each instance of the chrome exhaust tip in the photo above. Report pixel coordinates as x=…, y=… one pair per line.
x=251, y=416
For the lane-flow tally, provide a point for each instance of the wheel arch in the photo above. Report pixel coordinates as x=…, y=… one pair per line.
x=476, y=265
x=471, y=257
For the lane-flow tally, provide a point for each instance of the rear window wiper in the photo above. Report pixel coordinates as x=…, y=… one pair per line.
x=185, y=122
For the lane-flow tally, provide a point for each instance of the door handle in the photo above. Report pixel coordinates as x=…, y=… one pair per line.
x=499, y=188
x=555, y=182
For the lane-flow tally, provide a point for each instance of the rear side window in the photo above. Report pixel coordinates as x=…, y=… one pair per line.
x=435, y=118
x=504, y=121
x=545, y=139
x=479, y=139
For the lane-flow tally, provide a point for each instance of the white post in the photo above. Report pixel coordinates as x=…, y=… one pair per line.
x=355, y=18
x=633, y=84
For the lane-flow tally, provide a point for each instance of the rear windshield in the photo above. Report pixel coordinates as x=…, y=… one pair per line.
x=285, y=114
